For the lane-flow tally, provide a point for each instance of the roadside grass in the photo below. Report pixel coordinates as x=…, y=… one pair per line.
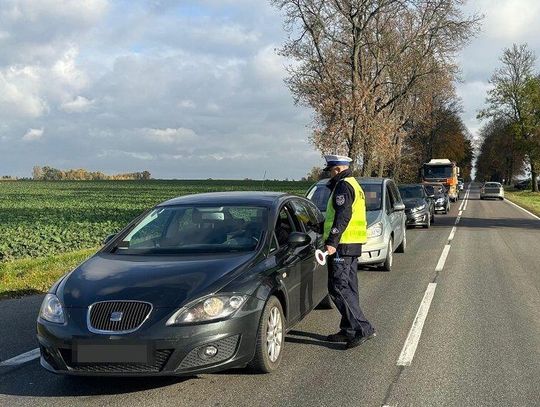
x=33, y=276
x=526, y=199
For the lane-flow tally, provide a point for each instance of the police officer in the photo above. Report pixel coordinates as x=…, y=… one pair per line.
x=345, y=231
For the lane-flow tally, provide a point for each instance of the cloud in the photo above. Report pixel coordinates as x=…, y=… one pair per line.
x=170, y=136
x=33, y=134
x=78, y=105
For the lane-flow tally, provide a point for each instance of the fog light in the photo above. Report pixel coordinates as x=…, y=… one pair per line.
x=208, y=352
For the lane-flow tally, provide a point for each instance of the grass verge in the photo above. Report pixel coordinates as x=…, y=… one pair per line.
x=526, y=199
x=34, y=276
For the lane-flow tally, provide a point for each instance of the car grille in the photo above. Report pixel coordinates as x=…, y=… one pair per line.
x=226, y=348
x=160, y=359
x=133, y=314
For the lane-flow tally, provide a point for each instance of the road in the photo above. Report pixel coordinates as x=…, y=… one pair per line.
x=479, y=344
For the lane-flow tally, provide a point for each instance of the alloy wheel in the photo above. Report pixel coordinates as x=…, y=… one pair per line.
x=274, y=334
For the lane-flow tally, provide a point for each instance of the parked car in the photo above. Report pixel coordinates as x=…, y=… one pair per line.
x=419, y=207
x=439, y=194
x=524, y=184
x=492, y=190
x=385, y=219
x=197, y=284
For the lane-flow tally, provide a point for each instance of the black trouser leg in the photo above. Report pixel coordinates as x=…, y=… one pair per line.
x=343, y=288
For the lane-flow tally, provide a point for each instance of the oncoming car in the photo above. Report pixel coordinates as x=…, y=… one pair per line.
x=197, y=284
x=385, y=219
x=419, y=207
x=492, y=190
x=439, y=194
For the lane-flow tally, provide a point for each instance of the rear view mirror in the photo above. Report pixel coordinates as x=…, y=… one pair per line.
x=298, y=239
x=399, y=207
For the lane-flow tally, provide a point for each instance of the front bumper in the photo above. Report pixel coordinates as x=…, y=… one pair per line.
x=374, y=251
x=176, y=349
x=491, y=195
x=440, y=206
x=417, y=218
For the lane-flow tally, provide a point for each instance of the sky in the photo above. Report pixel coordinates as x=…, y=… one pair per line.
x=184, y=89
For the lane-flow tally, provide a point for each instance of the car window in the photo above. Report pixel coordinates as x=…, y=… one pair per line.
x=373, y=196
x=395, y=192
x=303, y=214
x=319, y=195
x=195, y=229
x=388, y=200
x=284, y=226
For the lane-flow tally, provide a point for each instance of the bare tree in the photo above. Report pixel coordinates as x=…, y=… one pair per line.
x=358, y=64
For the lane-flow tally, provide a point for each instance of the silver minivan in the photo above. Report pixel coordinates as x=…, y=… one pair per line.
x=386, y=219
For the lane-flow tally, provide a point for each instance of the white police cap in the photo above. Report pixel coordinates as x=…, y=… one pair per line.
x=335, y=160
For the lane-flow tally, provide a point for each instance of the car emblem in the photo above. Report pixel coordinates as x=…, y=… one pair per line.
x=116, y=316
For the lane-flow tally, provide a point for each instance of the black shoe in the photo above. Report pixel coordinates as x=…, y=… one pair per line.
x=359, y=340
x=339, y=337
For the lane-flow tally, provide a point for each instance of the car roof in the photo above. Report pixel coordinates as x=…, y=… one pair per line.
x=361, y=180
x=410, y=185
x=259, y=198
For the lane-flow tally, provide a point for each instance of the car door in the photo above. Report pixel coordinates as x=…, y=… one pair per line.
x=396, y=217
x=289, y=264
x=313, y=285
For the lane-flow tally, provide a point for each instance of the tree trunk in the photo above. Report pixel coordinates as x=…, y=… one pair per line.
x=534, y=175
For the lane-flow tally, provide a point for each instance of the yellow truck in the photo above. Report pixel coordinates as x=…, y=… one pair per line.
x=444, y=171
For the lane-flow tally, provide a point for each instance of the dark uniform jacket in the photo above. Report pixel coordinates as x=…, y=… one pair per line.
x=342, y=201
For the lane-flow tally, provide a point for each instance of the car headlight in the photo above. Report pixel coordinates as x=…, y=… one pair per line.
x=51, y=309
x=419, y=208
x=375, y=230
x=207, y=309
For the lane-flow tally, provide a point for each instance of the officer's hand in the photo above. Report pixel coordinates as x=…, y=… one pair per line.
x=331, y=250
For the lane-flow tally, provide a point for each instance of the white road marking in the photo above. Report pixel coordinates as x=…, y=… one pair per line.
x=22, y=358
x=458, y=219
x=409, y=348
x=462, y=202
x=452, y=233
x=460, y=213
x=523, y=209
x=442, y=259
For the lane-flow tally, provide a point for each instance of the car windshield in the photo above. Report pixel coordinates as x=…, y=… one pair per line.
x=431, y=171
x=373, y=192
x=493, y=185
x=195, y=229
x=412, y=191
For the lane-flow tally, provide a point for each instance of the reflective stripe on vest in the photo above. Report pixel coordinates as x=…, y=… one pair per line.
x=356, y=231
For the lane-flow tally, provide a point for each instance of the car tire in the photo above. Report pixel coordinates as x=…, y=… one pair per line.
x=267, y=360
x=388, y=262
x=326, y=303
x=403, y=246
x=446, y=210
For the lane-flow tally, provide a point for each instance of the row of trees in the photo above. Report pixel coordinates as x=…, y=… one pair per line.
x=511, y=137
x=52, y=174
x=379, y=77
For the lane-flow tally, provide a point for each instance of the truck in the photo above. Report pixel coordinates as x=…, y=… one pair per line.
x=443, y=171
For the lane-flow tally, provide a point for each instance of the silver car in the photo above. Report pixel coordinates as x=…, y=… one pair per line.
x=492, y=190
x=386, y=219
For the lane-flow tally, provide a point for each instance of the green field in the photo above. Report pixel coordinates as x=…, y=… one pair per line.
x=39, y=218
x=526, y=199
x=47, y=228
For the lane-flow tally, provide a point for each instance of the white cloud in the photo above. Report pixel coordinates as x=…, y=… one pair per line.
x=78, y=105
x=170, y=136
x=33, y=134
x=510, y=19
x=19, y=93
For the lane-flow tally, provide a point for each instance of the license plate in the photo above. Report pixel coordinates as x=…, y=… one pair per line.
x=111, y=352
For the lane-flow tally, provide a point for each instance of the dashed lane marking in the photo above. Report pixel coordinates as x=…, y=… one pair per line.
x=409, y=348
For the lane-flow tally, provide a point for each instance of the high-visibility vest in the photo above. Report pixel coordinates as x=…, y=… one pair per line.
x=356, y=231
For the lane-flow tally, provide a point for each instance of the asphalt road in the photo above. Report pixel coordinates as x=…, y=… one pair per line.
x=479, y=346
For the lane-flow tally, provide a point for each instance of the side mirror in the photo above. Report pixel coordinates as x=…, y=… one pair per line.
x=109, y=238
x=298, y=239
x=399, y=207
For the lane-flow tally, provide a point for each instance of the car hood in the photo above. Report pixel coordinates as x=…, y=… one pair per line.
x=160, y=281
x=413, y=202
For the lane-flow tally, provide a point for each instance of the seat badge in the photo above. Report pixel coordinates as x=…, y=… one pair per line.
x=116, y=316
